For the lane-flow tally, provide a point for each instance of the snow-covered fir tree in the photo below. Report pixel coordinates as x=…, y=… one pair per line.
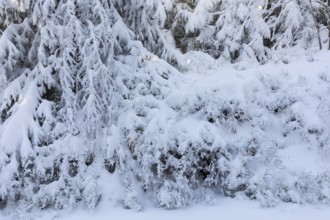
x=294, y=22
x=241, y=31
x=146, y=19
x=231, y=30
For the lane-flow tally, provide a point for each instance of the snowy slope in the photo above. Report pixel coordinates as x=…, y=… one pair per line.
x=299, y=75
x=283, y=106
x=224, y=208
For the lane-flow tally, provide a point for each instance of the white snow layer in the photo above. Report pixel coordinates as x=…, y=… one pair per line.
x=303, y=77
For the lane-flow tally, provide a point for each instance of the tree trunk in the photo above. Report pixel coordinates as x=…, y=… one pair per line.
x=319, y=36
x=328, y=21
x=329, y=33
x=316, y=24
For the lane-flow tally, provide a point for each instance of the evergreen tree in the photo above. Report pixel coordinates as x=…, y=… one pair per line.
x=146, y=19
x=241, y=31
x=295, y=21
x=232, y=30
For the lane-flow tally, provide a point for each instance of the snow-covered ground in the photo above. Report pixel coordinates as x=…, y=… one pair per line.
x=222, y=208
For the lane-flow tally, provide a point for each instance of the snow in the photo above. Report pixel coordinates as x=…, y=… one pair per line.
x=299, y=157
x=222, y=208
x=303, y=79
x=154, y=105
x=304, y=68
x=91, y=107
